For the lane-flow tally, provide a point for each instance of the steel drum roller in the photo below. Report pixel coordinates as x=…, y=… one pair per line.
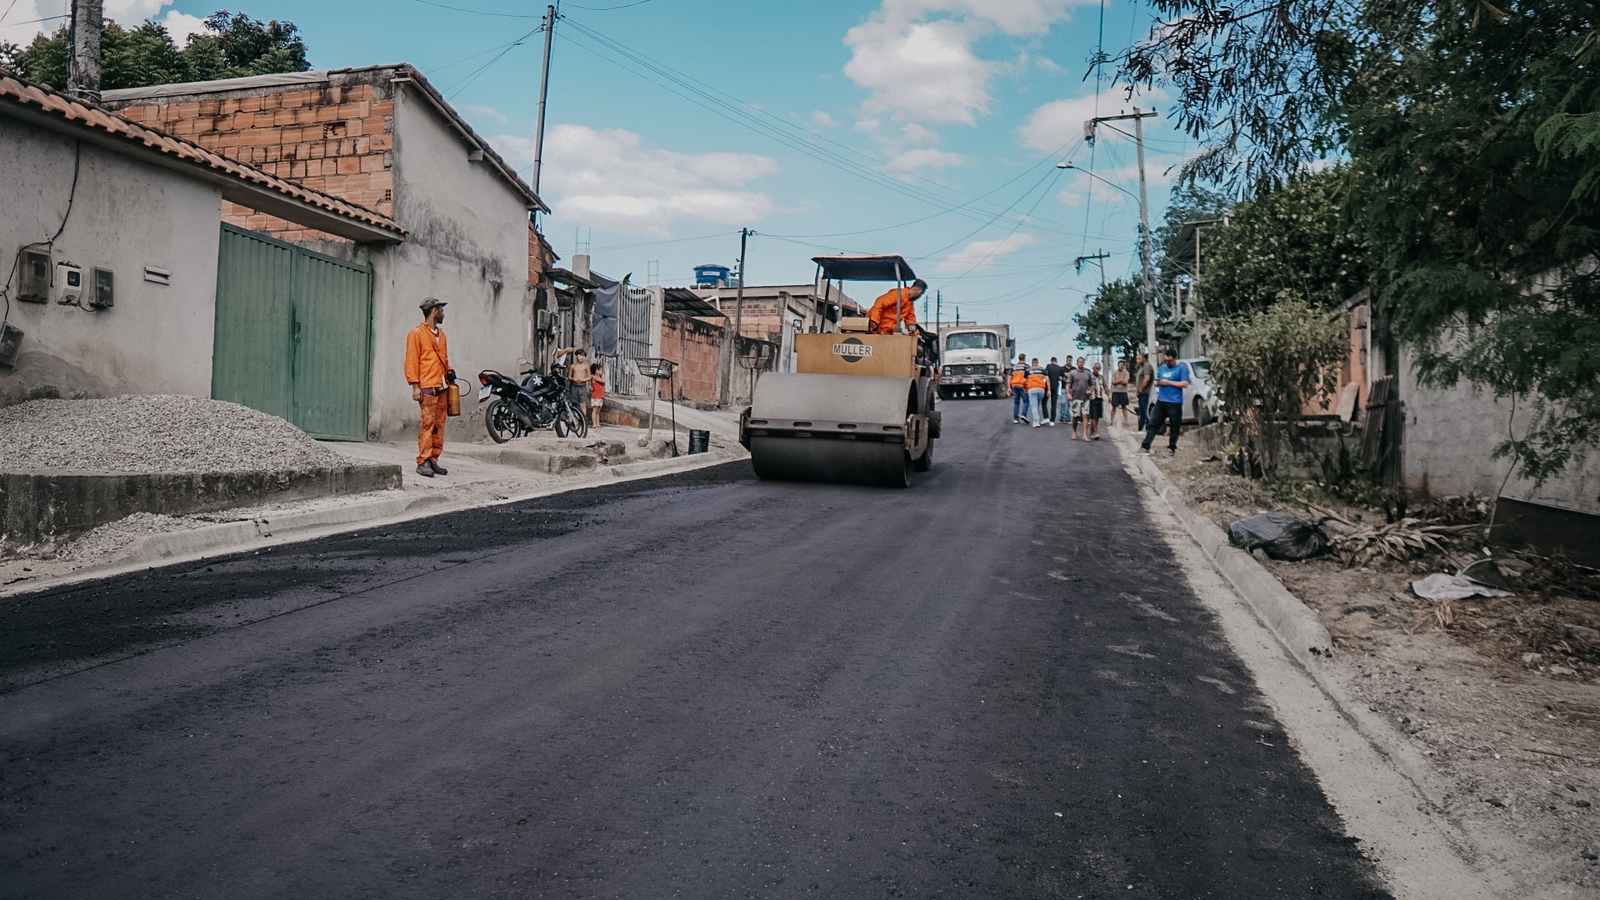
x=835, y=428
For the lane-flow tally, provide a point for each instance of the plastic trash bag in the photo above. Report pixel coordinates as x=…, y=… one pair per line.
x=1280, y=535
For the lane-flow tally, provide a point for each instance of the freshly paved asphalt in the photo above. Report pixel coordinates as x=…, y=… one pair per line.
x=995, y=684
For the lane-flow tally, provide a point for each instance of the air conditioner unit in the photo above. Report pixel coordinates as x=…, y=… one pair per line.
x=101, y=293
x=68, y=287
x=33, y=271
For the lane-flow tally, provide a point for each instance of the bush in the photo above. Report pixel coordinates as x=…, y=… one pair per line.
x=1266, y=364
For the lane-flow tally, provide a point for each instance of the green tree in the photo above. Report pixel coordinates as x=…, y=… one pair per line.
x=1188, y=203
x=1297, y=240
x=1114, y=319
x=233, y=45
x=1473, y=133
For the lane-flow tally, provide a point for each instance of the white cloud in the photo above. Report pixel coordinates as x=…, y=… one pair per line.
x=916, y=56
x=1060, y=122
x=923, y=70
x=182, y=26
x=21, y=25
x=820, y=119
x=980, y=255
x=916, y=134
x=488, y=112
x=612, y=179
x=927, y=158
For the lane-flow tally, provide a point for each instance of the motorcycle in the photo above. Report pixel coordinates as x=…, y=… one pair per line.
x=540, y=401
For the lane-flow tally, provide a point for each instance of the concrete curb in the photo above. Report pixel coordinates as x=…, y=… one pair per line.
x=1289, y=620
x=1297, y=630
x=225, y=539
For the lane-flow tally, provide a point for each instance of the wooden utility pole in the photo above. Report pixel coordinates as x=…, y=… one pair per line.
x=1149, y=287
x=544, y=92
x=83, y=69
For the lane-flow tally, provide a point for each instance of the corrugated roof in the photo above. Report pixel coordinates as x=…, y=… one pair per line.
x=21, y=98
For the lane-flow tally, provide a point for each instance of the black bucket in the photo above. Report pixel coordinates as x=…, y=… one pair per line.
x=699, y=441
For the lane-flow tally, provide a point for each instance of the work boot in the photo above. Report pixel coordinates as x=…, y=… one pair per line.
x=437, y=469
x=424, y=470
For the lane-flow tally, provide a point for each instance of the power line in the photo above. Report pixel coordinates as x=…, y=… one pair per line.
x=762, y=122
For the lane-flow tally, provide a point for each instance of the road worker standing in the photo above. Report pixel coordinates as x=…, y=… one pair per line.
x=428, y=370
x=1036, y=383
x=881, y=318
x=1019, y=387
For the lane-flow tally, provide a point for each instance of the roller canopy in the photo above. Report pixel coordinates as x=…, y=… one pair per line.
x=864, y=268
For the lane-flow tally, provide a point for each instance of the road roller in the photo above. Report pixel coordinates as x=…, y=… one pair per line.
x=859, y=407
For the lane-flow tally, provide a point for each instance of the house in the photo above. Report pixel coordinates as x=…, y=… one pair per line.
x=383, y=138
x=134, y=217
x=776, y=313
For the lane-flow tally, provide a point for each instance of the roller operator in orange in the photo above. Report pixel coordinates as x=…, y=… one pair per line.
x=881, y=319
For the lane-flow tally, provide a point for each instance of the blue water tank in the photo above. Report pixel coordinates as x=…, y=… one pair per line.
x=711, y=275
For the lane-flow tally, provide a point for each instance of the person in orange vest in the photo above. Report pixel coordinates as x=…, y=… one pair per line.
x=428, y=370
x=881, y=318
x=1019, y=387
x=1036, y=383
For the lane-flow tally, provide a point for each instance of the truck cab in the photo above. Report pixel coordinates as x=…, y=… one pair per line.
x=973, y=360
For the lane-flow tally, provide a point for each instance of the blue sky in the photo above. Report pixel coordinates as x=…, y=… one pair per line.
x=943, y=121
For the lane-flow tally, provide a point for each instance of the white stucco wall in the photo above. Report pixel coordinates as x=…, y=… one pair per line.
x=126, y=215
x=467, y=245
x=1451, y=434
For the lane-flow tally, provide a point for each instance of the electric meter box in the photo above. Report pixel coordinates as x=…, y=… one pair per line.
x=68, y=286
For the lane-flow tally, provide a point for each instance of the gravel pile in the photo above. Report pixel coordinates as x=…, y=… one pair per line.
x=112, y=538
x=162, y=433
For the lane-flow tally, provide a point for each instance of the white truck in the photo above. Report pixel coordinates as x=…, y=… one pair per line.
x=974, y=360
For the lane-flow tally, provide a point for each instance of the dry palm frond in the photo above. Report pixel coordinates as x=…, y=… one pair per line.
x=1396, y=540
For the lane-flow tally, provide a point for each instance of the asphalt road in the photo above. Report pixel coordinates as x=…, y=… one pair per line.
x=995, y=684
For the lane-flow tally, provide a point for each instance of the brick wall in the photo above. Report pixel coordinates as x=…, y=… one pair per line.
x=339, y=140
x=696, y=346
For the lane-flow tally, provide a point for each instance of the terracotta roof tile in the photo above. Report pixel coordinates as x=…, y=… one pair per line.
x=24, y=94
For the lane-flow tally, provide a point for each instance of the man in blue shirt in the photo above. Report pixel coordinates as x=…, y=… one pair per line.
x=1171, y=378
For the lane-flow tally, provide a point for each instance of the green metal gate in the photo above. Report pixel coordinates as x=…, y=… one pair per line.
x=294, y=334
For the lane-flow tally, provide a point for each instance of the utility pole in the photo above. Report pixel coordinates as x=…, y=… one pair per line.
x=738, y=320
x=544, y=92
x=1149, y=288
x=938, y=310
x=1097, y=259
x=83, y=70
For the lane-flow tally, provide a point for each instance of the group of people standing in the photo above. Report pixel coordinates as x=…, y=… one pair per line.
x=1042, y=395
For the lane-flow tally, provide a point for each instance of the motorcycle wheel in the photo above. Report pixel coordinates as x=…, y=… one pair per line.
x=577, y=422
x=561, y=421
x=501, y=421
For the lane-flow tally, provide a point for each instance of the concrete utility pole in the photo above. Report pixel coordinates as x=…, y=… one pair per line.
x=738, y=323
x=1149, y=287
x=83, y=70
x=544, y=92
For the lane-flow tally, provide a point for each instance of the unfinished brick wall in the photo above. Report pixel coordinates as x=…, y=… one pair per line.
x=696, y=346
x=335, y=139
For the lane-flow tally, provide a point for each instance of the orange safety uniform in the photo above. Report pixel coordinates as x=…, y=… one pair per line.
x=1019, y=375
x=1036, y=379
x=427, y=361
x=880, y=320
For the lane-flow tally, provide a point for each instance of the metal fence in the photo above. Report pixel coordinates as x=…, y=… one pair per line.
x=635, y=322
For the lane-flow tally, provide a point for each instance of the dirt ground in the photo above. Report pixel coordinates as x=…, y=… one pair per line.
x=1501, y=694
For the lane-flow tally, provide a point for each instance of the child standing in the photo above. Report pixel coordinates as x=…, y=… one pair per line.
x=597, y=393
